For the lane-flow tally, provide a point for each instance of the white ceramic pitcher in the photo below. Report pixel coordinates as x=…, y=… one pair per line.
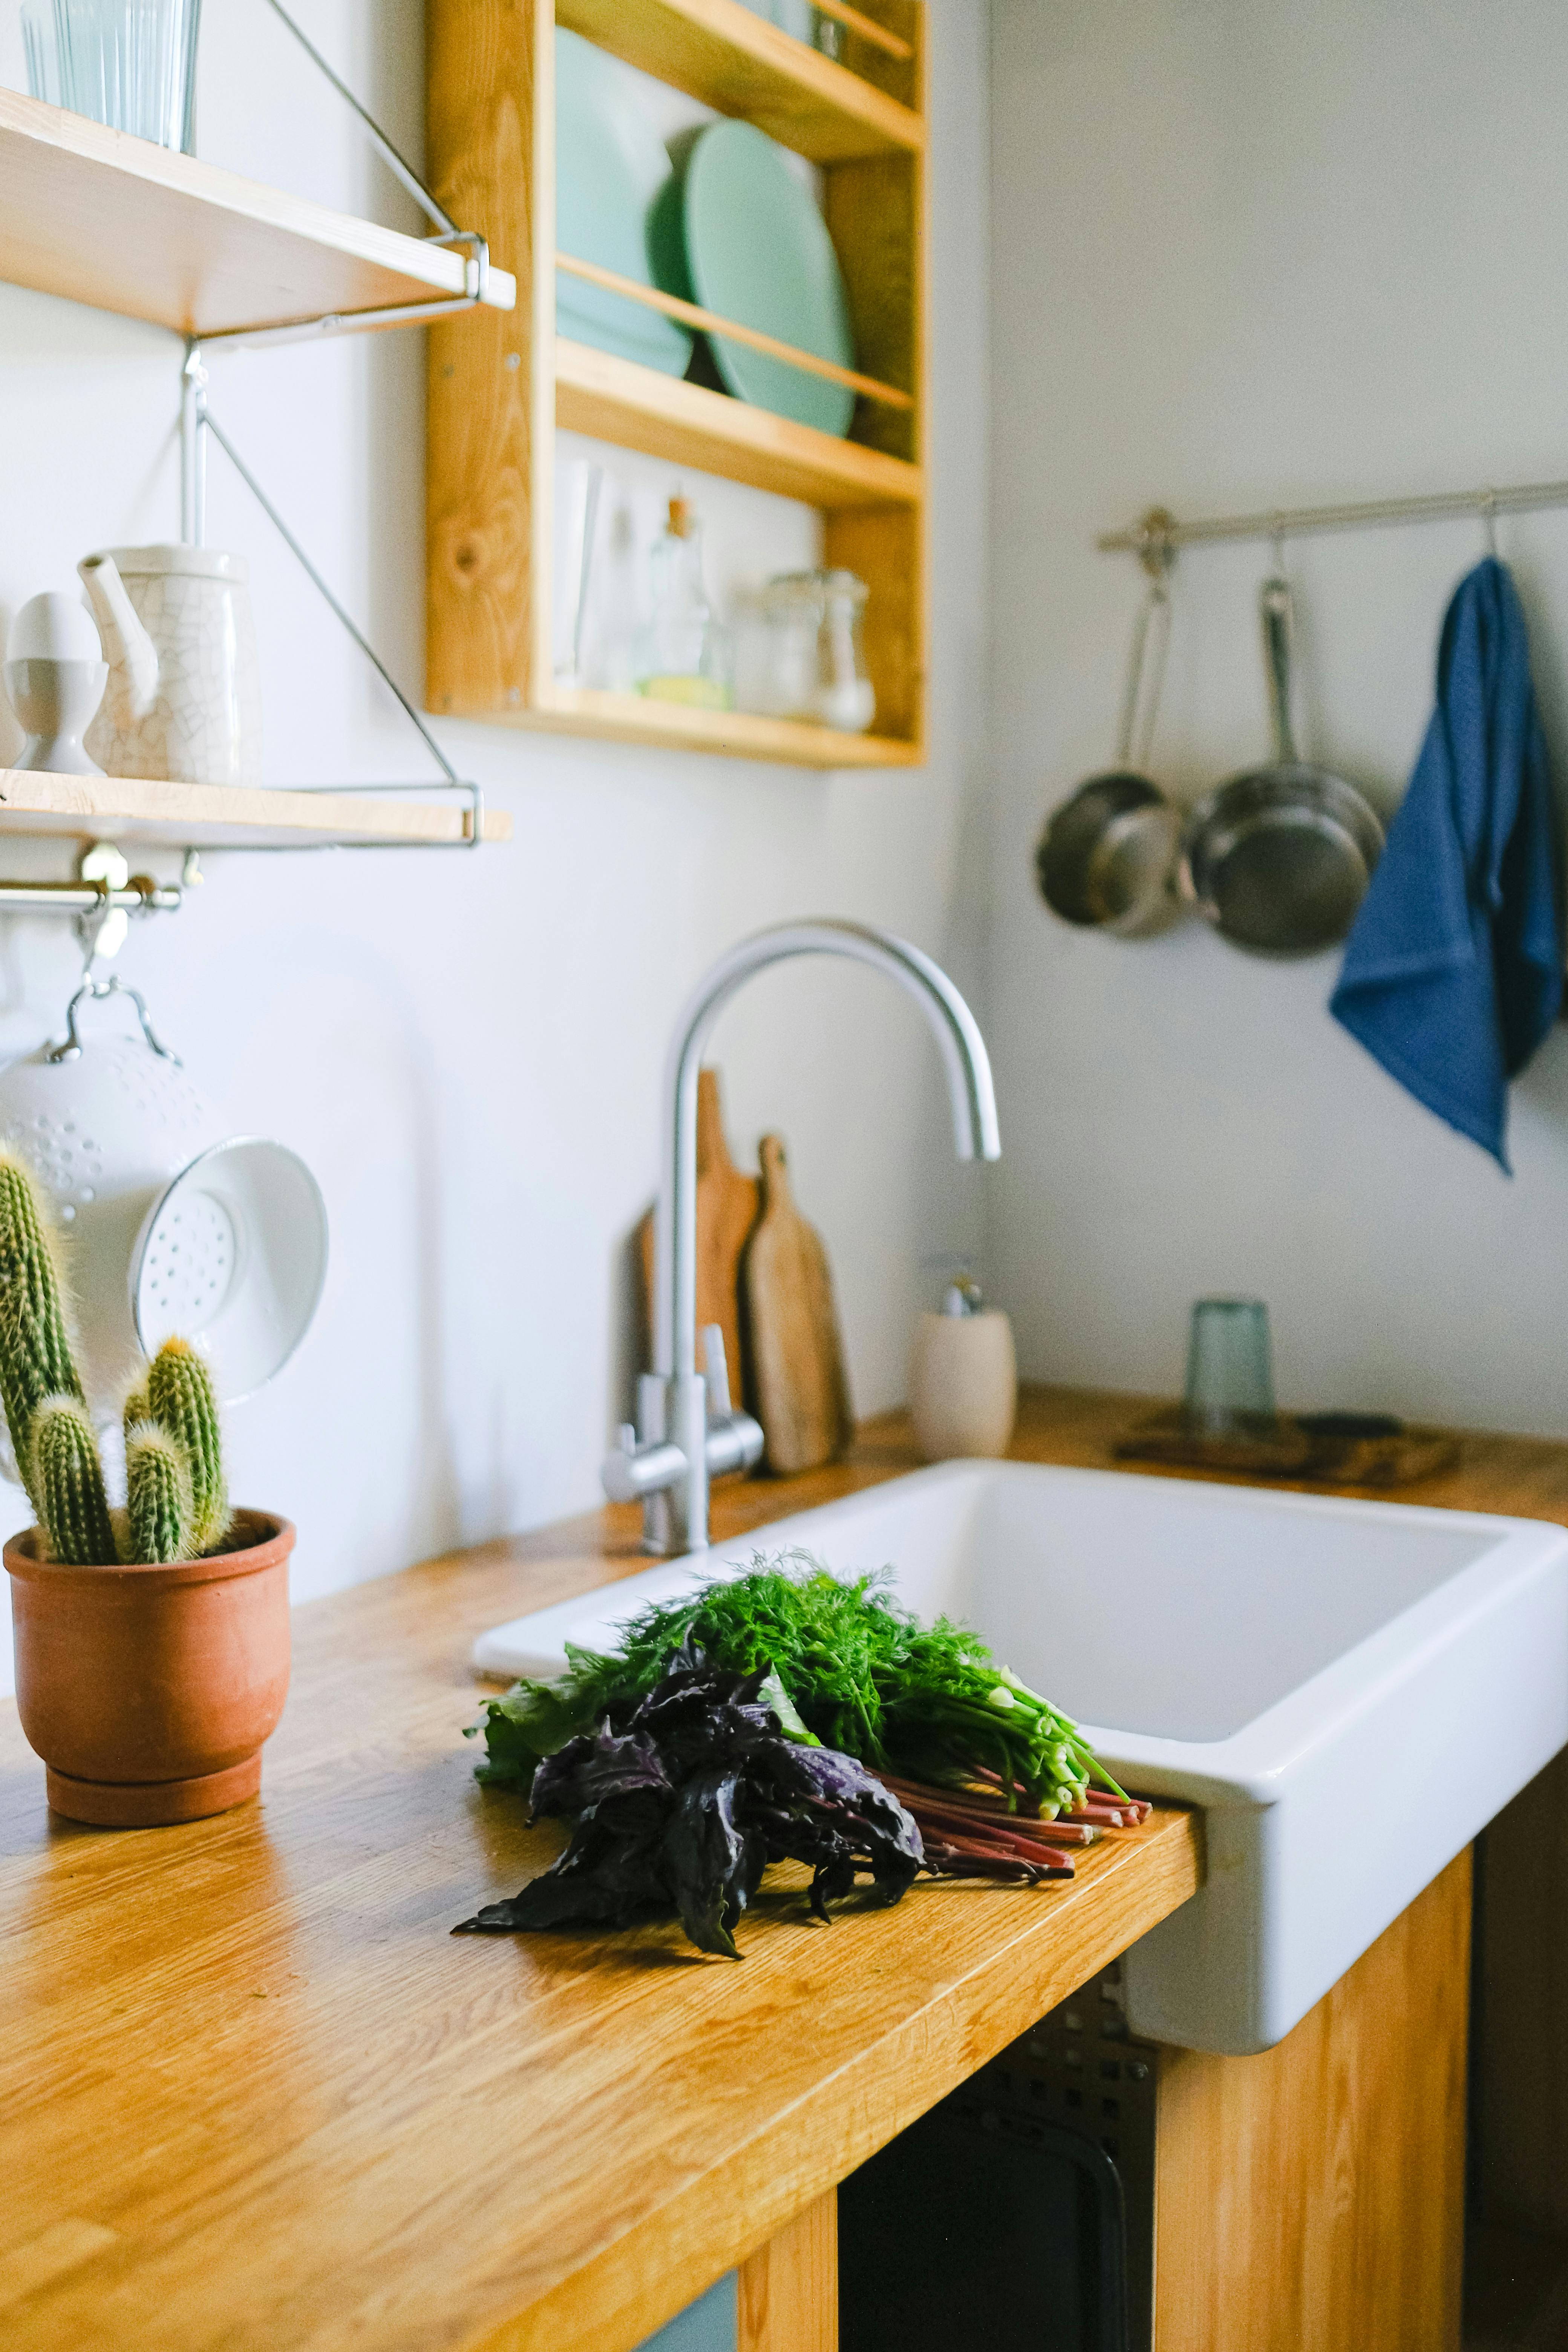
x=183, y=700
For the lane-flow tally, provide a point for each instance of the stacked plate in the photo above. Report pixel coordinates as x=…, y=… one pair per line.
x=611, y=168
x=757, y=250
x=736, y=231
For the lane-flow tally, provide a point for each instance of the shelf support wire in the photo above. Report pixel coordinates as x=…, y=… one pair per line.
x=477, y=268
x=196, y=422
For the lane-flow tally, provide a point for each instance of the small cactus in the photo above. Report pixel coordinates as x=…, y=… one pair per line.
x=160, y=1511
x=180, y=1399
x=67, y=1484
x=177, y=1500
x=35, y=1344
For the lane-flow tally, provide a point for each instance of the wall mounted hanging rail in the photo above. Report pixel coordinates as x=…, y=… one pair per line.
x=1156, y=536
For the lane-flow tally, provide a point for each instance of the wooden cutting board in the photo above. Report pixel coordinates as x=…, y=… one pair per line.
x=797, y=1387
x=727, y=1206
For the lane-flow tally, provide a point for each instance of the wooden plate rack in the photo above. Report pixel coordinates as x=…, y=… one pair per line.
x=501, y=386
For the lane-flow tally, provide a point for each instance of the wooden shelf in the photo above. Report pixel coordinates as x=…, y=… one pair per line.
x=678, y=725
x=719, y=52
x=501, y=389
x=638, y=408
x=212, y=817
x=119, y=223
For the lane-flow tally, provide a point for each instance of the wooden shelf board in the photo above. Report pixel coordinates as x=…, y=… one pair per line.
x=719, y=52
x=119, y=223
x=213, y=816
x=636, y=408
x=678, y=726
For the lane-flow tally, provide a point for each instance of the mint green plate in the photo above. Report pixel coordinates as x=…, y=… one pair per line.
x=757, y=250
x=610, y=166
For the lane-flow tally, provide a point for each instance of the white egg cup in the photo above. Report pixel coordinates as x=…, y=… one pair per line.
x=54, y=679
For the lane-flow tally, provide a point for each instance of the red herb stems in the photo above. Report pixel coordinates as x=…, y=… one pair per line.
x=971, y=1833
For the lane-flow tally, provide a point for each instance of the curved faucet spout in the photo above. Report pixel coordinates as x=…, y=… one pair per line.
x=685, y=1426
x=964, y=1059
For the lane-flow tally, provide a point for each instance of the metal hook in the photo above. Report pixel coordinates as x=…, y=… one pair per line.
x=1488, y=516
x=94, y=991
x=1156, y=547
x=1277, y=545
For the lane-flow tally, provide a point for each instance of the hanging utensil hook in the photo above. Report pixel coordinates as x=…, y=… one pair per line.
x=94, y=991
x=1156, y=546
x=1489, y=520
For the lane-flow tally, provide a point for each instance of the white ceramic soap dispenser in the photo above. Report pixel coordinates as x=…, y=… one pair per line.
x=963, y=1379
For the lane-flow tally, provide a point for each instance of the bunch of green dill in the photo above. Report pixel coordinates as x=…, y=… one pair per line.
x=852, y=1668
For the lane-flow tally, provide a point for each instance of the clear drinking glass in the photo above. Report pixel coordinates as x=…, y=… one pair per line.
x=131, y=64
x=1230, y=1370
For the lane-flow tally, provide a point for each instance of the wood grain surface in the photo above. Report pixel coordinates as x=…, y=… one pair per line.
x=636, y=408
x=798, y=1386
x=612, y=717
x=226, y=816
x=120, y=223
x=737, y=63
x=254, y=2096
x=496, y=394
x=727, y=1203
x=490, y=148
x=1312, y=2200
x=788, y=2299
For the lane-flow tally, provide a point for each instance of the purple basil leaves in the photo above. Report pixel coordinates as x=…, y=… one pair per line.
x=681, y=1804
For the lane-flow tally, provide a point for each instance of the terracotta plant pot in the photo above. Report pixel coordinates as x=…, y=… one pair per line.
x=149, y=1691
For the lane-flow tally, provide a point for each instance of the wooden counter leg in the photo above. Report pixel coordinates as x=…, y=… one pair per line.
x=789, y=2288
x=1313, y=2197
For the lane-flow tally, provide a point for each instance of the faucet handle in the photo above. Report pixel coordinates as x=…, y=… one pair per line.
x=717, y=1374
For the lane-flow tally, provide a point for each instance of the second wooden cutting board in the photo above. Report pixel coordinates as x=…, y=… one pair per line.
x=727, y=1204
x=798, y=1389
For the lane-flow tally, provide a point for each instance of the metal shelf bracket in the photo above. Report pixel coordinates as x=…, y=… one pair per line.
x=477, y=266
x=196, y=424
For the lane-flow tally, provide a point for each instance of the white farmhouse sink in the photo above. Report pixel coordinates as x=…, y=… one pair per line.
x=1349, y=1690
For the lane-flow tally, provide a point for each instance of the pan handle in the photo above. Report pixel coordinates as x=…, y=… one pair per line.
x=1275, y=611
x=1154, y=615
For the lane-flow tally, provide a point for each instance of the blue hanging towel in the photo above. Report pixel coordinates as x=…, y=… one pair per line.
x=1453, y=970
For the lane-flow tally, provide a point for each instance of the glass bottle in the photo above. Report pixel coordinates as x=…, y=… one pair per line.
x=686, y=653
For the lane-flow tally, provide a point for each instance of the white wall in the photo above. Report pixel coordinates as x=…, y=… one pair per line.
x=1242, y=258
x=466, y=1049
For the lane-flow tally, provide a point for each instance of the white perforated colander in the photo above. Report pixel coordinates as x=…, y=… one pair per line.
x=168, y=1226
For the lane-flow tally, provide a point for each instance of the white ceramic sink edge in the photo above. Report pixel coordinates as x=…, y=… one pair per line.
x=1349, y=1690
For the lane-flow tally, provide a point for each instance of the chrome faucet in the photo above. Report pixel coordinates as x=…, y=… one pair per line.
x=688, y=1431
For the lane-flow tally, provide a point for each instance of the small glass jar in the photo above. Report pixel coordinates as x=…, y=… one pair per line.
x=817, y=663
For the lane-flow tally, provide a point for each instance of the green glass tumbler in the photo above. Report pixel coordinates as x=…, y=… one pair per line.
x=1230, y=1370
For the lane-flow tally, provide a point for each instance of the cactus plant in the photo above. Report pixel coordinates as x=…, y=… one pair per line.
x=35, y=1344
x=177, y=1505
x=67, y=1484
x=160, y=1509
x=180, y=1400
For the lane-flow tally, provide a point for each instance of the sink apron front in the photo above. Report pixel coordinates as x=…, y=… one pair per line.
x=1349, y=1690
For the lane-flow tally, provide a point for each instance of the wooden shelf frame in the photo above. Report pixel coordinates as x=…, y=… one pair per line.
x=212, y=817
x=734, y=734
x=123, y=225
x=500, y=388
x=734, y=61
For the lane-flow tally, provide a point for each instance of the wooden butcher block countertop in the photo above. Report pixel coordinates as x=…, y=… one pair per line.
x=254, y=2096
